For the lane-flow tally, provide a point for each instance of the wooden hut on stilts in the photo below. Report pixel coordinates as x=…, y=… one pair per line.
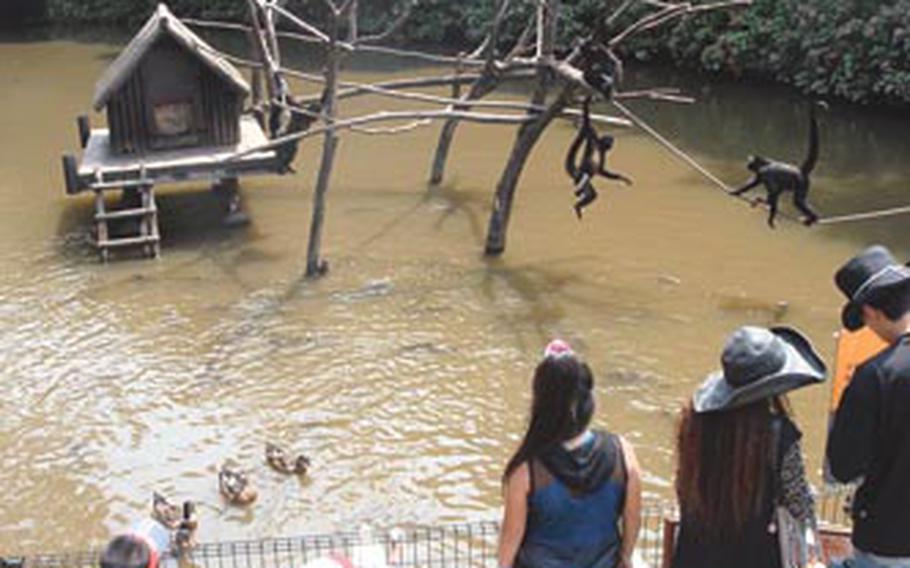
x=175, y=113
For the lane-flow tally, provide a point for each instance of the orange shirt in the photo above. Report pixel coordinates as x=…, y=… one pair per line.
x=853, y=349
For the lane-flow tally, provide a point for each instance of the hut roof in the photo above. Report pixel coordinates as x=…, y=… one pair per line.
x=162, y=22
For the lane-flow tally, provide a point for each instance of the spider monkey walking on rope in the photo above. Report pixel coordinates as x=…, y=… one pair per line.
x=780, y=177
x=583, y=172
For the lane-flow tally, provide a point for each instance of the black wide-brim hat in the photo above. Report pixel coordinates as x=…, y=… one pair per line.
x=871, y=271
x=759, y=363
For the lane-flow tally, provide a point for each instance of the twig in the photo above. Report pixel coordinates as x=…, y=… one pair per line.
x=309, y=28
x=394, y=27
x=654, y=95
x=429, y=57
x=671, y=11
x=618, y=12
x=523, y=41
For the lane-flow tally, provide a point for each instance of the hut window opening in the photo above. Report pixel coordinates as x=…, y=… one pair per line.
x=173, y=118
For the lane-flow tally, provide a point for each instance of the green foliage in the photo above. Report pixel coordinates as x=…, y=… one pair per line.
x=136, y=11
x=857, y=50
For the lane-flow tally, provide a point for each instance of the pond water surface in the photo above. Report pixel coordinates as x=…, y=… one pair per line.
x=405, y=373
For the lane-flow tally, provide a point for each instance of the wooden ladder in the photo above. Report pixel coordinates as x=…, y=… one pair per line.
x=148, y=236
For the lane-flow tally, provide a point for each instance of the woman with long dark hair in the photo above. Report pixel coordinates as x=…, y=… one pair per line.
x=739, y=458
x=572, y=494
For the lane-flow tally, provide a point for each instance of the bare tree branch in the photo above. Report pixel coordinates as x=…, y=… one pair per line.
x=393, y=130
x=300, y=23
x=383, y=116
x=523, y=42
x=672, y=10
x=619, y=12
x=429, y=57
x=395, y=26
x=423, y=97
x=414, y=83
x=656, y=94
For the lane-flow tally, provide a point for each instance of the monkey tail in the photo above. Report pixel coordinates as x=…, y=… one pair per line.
x=571, y=160
x=812, y=155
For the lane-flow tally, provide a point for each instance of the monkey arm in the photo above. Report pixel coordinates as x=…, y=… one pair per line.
x=613, y=175
x=749, y=185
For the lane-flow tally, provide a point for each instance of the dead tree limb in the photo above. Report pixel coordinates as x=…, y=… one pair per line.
x=487, y=83
x=315, y=266
x=359, y=47
x=263, y=48
x=393, y=28
x=525, y=140
x=529, y=133
x=385, y=116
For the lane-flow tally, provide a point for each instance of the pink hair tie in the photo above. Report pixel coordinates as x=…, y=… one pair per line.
x=558, y=348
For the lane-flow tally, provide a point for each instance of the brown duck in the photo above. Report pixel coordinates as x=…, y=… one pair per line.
x=165, y=512
x=236, y=486
x=281, y=461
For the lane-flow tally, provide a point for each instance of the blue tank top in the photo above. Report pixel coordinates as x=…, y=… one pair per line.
x=572, y=528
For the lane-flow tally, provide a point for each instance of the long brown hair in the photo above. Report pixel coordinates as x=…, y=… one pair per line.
x=724, y=464
x=561, y=407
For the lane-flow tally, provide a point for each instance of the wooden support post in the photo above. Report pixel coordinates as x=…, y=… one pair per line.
x=85, y=130
x=70, y=174
x=101, y=233
x=150, y=221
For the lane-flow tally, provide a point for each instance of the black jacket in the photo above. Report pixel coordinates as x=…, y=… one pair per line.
x=870, y=438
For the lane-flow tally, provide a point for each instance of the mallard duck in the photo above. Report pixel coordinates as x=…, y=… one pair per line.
x=165, y=512
x=236, y=487
x=280, y=461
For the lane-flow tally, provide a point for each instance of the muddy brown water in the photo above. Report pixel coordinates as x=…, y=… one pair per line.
x=405, y=373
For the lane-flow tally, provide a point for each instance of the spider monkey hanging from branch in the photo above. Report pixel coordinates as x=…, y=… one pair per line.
x=582, y=172
x=780, y=177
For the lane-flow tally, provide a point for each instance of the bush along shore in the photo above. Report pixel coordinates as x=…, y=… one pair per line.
x=854, y=50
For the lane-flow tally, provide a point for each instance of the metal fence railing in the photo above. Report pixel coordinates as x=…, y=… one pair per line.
x=467, y=545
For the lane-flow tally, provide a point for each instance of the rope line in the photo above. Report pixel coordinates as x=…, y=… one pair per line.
x=879, y=214
x=690, y=160
x=849, y=218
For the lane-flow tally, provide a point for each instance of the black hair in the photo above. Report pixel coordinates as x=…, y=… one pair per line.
x=126, y=551
x=893, y=301
x=562, y=406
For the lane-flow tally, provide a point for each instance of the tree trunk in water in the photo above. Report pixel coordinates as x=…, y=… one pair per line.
x=528, y=134
x=481, y=88
x=525, y=140
x=314, y=264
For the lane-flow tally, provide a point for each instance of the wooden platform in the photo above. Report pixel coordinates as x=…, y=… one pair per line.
x=100, y=167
